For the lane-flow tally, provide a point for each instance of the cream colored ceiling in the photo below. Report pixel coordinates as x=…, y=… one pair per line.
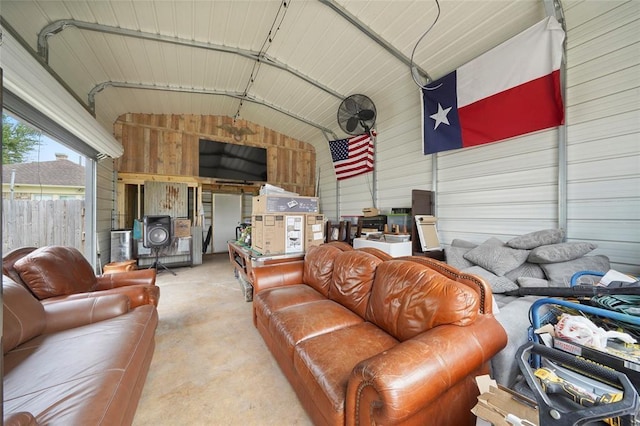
x=320, y=55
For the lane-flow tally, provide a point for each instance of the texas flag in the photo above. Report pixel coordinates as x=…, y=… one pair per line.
x=508, y=91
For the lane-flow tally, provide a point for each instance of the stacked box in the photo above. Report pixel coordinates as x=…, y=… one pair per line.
x=286, y=233
x=314, y=230
x=283, y=224
x=284, y=204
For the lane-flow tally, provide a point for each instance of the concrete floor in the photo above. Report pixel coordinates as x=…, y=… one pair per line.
x=210, y=365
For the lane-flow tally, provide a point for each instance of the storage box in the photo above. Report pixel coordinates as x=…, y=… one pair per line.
x=267, y=233
x=370, y=211
x=284, y=204
x=182, y=228
x=277, y=233
x=314, y=230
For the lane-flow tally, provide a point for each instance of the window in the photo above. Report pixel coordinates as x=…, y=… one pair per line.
x=43, y=189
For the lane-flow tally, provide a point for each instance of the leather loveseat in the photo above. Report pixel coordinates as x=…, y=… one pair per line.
x=365, y=340
x=55, y=273
x=74, y=362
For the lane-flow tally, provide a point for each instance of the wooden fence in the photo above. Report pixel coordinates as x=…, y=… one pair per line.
x=42, y=223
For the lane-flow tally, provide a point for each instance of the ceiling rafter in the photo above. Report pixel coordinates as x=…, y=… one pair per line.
x=168, y=88
x=58, y=26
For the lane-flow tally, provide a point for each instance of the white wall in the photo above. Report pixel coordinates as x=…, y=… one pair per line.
x=513, y=187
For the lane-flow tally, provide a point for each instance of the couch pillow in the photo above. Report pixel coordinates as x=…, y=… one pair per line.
x=353, y=273
x=535, y=239
x=498, y=284
x=455, y=257
x=494, y=256
x=524, y=282
x=23, y=314
x=527, y=269
x=56, y=271
x=457, y=242
x=409, y=298
x=559, y=274
x=561, y=252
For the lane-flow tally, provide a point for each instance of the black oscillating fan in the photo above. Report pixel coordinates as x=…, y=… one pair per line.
x=356, y=114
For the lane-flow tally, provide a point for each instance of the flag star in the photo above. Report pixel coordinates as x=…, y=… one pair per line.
x=440, y=116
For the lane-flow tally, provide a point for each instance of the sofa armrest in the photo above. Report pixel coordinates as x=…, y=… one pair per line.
x=277, y=275
x=22, y=418
x=121, y=279
x=394, y=385
x=67, y=314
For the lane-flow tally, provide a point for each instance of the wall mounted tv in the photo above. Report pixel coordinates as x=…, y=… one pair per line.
x=220, y=160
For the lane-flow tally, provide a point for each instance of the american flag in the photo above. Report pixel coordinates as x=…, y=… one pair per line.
x=353, y=156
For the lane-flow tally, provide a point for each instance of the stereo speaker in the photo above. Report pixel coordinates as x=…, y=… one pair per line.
x=157, y=231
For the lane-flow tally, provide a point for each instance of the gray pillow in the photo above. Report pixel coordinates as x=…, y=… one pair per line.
x=527, y=269
x=559, y=274
x=455, y=257
x=524, y=282
x=562, y=252
x=498, y=284
x=498, y=259
x=535, y=239
x=457, y=242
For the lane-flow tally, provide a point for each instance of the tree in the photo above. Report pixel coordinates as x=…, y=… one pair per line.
x=18, y=140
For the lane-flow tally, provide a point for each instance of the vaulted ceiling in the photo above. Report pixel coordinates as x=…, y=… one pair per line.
x=285, y=65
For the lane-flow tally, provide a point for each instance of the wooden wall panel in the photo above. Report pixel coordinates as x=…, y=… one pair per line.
x=168, y=145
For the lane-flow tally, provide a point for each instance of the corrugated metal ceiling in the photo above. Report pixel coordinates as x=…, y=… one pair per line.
x=310, y=39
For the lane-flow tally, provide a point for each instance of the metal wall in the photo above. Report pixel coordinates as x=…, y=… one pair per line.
x=105, y=210
x=513, y=187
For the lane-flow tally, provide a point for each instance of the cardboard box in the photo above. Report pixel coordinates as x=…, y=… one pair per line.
x=495, y=403
x=284, y=204
x=294, y=241
x=267, y=233
x=314, y=230
x=182, y=228
x=370, y=211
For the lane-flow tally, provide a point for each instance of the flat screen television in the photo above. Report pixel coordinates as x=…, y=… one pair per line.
x=221, y=160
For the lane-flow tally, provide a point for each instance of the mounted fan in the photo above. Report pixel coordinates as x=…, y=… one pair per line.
x=356, y=114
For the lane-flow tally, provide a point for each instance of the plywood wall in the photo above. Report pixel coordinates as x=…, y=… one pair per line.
x=166, y=144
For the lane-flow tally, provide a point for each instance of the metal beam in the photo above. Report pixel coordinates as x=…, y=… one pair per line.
x=237, y=95
x=58, y=26
x=373, y=35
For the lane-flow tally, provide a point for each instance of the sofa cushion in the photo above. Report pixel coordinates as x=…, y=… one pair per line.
x=525, y=270
x=315, y=362
x=99, y=371
x=494, y=256
x=559, y=274
x=498, y=284
x=273, y=299
x=23, y=316
x=535, y=239
x=290, y=326
x=409, y=298
x=318, y=267
x=56, y=271
x=455, y=257
x=353, y=274
x=562, y=252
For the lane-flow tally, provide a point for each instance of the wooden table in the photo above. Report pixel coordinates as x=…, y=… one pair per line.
x=244, y=259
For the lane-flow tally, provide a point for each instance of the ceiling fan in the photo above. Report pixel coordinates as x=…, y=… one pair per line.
x=356, y=114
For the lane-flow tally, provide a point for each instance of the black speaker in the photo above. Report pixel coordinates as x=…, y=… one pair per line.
x=157, y=231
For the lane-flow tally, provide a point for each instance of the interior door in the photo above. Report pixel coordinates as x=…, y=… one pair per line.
x=227, y=214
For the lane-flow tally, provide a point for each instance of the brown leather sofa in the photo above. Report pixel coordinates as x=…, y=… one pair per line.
x=70, y=276
x=364, y=340
x=74, y=362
